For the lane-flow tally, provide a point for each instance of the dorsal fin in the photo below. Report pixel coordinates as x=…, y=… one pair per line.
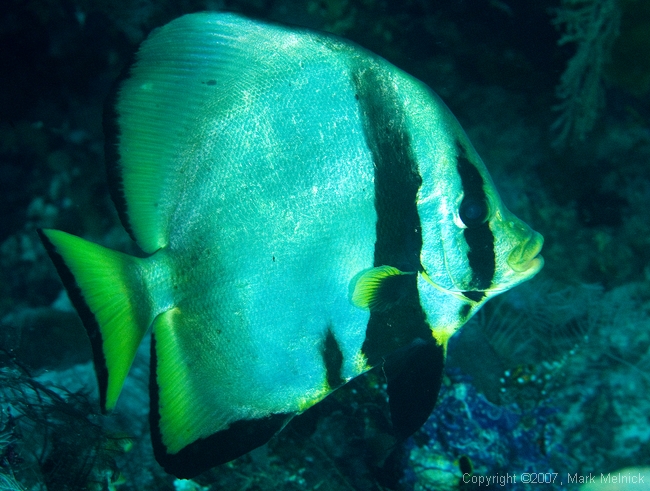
x=186, y=75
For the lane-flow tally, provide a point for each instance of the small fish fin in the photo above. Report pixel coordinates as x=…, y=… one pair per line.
x=105, y=288
x=188, y=429
x=377, y=288
x=414, y=376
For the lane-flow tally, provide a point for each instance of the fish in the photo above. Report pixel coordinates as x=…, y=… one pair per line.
x=306, y=211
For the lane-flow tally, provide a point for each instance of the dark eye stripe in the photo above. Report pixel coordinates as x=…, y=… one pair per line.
x=478, y=236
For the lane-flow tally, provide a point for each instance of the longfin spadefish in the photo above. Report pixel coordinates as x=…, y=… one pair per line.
x=105, y=288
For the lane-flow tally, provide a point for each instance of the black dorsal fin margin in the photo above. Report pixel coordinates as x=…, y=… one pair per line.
x=111, y=149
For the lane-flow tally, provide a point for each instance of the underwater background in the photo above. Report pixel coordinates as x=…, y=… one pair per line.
x=549, y=383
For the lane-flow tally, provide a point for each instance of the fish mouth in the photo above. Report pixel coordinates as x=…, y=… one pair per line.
x=532, y=267
x=526, y=258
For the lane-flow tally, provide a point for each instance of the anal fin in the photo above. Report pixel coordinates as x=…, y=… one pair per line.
x=414, y=377
x=188, y=432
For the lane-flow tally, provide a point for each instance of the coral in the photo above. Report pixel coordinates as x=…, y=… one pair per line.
x=602, y=388
x=573, y=396
x=497, y=440
x=593, y=25
x=188, y=485
x=9, y=483
x=52, y=439
x=630, y=62
x=573, y=400
x=540, y=322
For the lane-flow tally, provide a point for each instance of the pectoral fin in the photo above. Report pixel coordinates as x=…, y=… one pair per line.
x=378, y=288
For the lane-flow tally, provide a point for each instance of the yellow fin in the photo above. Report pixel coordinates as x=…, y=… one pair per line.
x=181, y=418
x=366, y=287
x=197, y=421
x=106, y=289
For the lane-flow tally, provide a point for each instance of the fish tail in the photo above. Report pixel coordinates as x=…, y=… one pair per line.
x=107, y=289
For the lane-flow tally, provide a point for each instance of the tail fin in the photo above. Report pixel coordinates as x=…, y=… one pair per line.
x=106, y=289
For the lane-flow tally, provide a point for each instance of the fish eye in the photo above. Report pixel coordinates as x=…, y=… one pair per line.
x=473, y=212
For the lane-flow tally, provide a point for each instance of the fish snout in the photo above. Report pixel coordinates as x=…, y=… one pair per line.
x=525, y=258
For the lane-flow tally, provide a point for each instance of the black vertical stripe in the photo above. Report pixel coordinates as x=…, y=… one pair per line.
x=397, y=178
x=398, y=231
x=333, y=359
x=479, y=238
